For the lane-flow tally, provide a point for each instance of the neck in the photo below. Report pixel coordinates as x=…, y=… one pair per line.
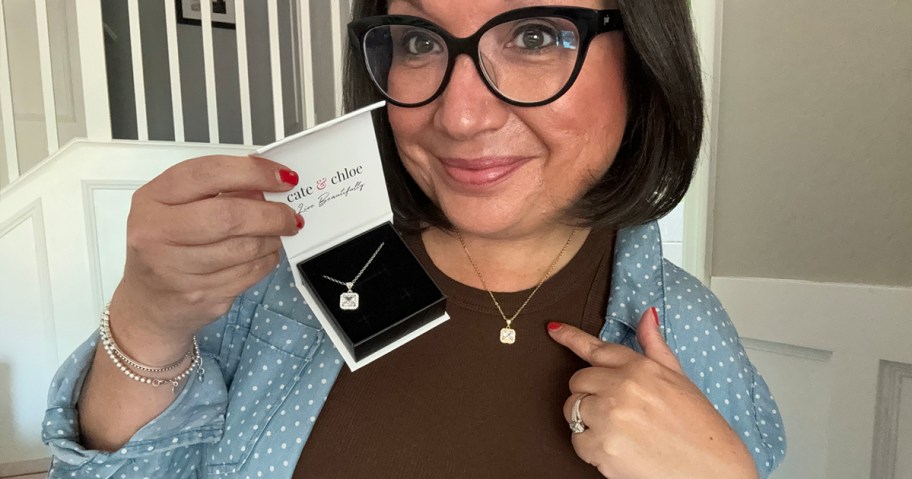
x=507, y=264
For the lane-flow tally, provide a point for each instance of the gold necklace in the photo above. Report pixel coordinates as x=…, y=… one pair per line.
x=508, y=334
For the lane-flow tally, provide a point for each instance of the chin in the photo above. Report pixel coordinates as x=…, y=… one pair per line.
x=488, y=219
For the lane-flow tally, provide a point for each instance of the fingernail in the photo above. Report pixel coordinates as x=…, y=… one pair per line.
x=300, y=220
x=554, y=326
x=289, y=177
x=655, y=315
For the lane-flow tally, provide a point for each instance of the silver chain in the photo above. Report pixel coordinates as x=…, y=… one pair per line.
x=351, y=284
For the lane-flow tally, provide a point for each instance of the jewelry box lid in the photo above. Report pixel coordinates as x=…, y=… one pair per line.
x=341, y=190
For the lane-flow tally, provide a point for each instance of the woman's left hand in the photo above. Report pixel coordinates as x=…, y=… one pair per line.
x=645, y=418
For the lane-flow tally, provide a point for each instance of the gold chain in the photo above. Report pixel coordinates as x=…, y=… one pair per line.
x=508, y=335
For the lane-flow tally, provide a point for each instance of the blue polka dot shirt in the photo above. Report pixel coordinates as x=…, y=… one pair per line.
x=270, y=366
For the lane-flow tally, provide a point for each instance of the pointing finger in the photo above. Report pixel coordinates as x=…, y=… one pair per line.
x=591, y=349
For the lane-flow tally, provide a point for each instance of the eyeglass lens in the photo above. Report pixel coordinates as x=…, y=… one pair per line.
x=527, y=60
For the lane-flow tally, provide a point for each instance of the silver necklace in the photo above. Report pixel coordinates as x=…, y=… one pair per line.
x=348, y=300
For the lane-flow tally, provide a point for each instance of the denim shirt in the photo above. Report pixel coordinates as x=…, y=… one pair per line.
x=269, y=369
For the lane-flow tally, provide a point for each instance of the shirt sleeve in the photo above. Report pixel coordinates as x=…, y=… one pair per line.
x=171, y=442
x=701, y=334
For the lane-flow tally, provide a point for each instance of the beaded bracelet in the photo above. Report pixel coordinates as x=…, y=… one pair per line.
x=120, y=358
x=105, y=332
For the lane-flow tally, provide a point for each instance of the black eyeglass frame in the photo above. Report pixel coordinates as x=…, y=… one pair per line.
x=589, y=23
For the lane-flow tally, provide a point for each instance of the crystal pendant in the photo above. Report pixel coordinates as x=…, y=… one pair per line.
x=348, y=301
x=508, y=335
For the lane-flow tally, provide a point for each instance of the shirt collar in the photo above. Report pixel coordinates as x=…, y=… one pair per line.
x=636, y=280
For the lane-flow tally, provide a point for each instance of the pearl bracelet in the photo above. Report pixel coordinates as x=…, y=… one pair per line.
x=128, y=365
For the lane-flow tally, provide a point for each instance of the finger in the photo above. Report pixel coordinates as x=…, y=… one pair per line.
x=653, y=343
x=206, y=259
x=591, y=349
x=250, y=195
x=586, y=447
x=568, y=405
x=591, y=448
x=587, y=444
x=604, y=447
x=597, y=379
x=205, y=177
x=215, y=219
x=236, y=279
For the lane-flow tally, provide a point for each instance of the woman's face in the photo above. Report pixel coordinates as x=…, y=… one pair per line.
x=499, y=170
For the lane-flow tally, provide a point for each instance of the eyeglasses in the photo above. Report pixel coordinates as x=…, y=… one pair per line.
x=527, y=57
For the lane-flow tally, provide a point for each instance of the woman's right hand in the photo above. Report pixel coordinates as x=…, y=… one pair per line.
x=198, y=235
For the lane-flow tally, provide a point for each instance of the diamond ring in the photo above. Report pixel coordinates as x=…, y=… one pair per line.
x=576, y=422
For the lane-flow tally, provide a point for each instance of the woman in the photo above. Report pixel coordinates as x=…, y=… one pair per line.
x=528, y=153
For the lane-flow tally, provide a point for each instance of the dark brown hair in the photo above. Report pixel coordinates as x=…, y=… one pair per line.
x=657, y=158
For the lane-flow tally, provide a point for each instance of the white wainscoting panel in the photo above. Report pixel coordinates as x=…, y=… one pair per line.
x=27, y=351
x=820, y=346
x=903, y=467
x=791, y=372
x=893, y=423
x=107, y=207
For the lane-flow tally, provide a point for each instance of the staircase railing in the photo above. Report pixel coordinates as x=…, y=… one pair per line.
x=305, y=29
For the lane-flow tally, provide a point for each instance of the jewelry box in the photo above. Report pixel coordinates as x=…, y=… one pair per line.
x=364, y=285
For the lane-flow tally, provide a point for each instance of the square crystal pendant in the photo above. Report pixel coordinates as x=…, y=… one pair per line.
x=348, y=301
x=508, y=335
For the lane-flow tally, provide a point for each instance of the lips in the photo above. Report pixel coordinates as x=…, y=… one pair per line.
x=484, y=171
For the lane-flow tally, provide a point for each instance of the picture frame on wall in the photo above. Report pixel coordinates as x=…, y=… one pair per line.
x=189, y=12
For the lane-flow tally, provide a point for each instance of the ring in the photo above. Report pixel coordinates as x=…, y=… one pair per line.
x=576, y=422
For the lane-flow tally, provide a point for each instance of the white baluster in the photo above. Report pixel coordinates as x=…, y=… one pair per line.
x=209, y=67
x=243, y=71
x=6, y=105
x=337, y=53
x=47, y=76
x=306, y=54
x=177, y=102
x=93, y=70
x=276, y=69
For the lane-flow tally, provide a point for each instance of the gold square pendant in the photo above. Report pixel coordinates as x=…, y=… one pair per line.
x=508, y=335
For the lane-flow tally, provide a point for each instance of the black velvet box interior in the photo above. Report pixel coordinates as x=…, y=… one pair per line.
x=396, y=295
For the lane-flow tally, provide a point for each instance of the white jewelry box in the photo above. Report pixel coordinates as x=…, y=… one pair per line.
x=343, y=198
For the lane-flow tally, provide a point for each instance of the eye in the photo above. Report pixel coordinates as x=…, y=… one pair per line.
x=417, y=42
x=534, y=36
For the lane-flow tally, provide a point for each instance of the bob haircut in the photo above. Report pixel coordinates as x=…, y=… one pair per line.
x=658, y=153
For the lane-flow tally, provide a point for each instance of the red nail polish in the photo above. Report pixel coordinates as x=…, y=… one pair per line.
x=289, y=177
x=655, y=315
x=554, y=326
x=300, y=220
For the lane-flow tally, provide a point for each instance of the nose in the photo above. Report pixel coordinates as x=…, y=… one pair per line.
x=467, y=108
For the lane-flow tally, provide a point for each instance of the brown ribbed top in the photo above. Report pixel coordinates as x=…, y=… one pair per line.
x=455, y=402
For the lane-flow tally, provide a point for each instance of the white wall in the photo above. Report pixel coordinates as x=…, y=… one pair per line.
x=62, y=230
x=815, y=130
x=812, y=234
x=672, y=228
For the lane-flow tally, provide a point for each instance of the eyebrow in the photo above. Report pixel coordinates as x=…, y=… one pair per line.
x=419, y=4
x=415, y=3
